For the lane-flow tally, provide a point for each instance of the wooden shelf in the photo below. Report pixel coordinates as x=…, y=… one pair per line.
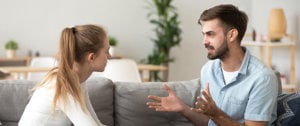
x=18, y=61
x=290, y=43
x=271, y=44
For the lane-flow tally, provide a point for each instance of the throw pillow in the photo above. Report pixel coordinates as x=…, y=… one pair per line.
x=288, y=110
x=101, y=94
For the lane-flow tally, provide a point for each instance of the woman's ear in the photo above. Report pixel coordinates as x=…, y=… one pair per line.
x=91, y=57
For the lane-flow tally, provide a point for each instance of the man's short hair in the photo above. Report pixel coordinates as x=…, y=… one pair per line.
x=230, y=16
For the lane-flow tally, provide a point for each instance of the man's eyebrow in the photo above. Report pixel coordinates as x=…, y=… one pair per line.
x=207, y=32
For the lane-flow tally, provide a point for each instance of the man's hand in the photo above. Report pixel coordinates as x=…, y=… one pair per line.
x=206, y=105
x=171, y=103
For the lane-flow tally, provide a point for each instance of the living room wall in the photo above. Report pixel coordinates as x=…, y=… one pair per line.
x=36, y=25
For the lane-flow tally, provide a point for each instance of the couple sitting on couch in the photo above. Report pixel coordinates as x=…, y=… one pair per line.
x=237, y=88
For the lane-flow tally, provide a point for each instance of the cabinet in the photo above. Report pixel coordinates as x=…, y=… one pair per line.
x=266, y=47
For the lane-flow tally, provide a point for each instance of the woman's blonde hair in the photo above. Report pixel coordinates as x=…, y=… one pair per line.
x=75, y=44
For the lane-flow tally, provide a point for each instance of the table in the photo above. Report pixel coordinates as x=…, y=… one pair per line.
x=145, y=70
x=20, y=72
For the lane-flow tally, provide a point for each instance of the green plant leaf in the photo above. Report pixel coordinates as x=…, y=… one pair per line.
x=167, y=31
x=11, y=45
x=112, y=41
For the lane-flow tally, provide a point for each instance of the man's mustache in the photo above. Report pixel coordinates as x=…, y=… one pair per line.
x=209, y=47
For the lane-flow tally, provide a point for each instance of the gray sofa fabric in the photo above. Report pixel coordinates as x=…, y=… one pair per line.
x=131, y=98
x=14, y=95
x=101, y=93
x=115, y=103
x=124, y=103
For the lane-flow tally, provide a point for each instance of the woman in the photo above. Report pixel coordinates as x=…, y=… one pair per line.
x=61, y=99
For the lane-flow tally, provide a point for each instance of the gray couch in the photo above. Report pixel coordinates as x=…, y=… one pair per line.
x=115, y=103
x=124, y=103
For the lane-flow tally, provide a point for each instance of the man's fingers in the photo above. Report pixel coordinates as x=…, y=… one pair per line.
x=207, y=98
x=201, y=103
x=153, y=104
x=207, y=89
x=156, y=107
x=206, y=93
x=156, y=98
x=160, y=109
x=202, y=100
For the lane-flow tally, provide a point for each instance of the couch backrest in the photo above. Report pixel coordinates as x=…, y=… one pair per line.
x=119, y=103
x=124, y=103
x=14, y=96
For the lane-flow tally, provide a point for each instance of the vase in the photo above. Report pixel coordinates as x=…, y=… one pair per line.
x=277, y=24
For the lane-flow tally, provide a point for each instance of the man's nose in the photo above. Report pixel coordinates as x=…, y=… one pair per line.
x=205, y=40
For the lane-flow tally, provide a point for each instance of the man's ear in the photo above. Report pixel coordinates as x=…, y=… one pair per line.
x=232, y=35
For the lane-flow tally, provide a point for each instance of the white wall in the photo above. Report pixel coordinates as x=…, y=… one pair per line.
x=36, y=25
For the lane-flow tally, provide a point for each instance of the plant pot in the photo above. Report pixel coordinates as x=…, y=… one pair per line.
x=111, y=50
x=10, y=53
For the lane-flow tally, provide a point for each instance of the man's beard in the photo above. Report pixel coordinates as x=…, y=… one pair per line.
x=220, y=53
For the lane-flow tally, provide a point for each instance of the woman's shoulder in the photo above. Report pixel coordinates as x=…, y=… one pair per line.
x=47, y=86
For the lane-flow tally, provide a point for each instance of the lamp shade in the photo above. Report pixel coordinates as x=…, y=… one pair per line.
x=277, y=24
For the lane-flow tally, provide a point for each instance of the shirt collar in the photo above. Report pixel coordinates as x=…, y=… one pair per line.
x=245, y=63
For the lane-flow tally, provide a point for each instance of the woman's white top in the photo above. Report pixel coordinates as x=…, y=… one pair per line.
x=38, y=110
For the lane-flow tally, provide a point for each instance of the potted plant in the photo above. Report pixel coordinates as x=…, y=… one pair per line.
x=112, y=42
x=11, y=47
x=168, y=35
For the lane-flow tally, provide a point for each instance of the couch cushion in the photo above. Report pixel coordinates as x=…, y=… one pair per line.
x=288, y=110
x=14, y=96
x=101, y=91
x=131, y=98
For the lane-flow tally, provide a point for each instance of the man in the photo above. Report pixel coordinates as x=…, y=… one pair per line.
x=239, y=89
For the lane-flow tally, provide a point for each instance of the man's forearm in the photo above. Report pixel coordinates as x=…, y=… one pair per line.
x=222, y=119
x=197, y=119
